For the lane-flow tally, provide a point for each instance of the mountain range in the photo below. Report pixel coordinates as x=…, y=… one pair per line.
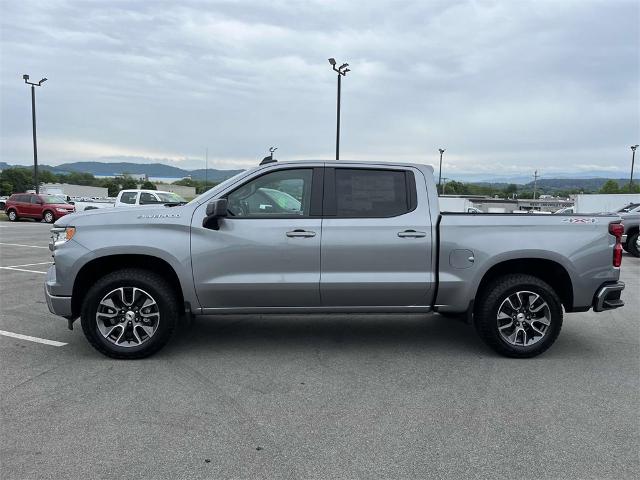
x=156, y=170
x=588, y=180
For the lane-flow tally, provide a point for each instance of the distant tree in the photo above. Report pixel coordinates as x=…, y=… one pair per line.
x=510, y=189
x=148, y=185
x=46, y=176
x=20, y=179
x=6, y=188
x=635, y=188
x=610, y=186
x=127, y=183
x=112, y=187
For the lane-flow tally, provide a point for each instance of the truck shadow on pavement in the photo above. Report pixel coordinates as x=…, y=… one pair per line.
x=295, y=332
x=429, y=334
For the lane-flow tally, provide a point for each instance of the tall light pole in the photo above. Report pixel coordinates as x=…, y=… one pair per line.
x=441, y=150
x=33, y=121
x=535, y=183
x=633, y=160
x=342, y=71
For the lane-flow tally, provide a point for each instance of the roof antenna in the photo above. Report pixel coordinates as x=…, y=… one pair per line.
x=270, y=158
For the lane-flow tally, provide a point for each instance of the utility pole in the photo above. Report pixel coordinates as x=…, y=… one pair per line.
x=206, y=168
x=441, y=150
x=535, y=183
x=342, y=71
x=33, y=121
x=633, y=159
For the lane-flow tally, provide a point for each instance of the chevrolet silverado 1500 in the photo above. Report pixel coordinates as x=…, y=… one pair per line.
x=331, y=237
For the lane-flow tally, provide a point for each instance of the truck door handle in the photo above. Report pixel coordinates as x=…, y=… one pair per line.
x=300, y=233
x=412, y=234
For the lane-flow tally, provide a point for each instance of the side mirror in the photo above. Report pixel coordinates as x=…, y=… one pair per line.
x=215, y=210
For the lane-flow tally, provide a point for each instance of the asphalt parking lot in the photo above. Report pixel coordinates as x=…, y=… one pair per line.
x=312, y=396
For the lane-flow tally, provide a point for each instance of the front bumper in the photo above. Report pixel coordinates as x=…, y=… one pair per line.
x=57, y=305
x=608, y=297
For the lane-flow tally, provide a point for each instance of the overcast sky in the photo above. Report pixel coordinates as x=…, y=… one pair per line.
x=505, y=86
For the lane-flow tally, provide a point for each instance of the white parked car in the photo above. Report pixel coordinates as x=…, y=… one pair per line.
x=135, y=198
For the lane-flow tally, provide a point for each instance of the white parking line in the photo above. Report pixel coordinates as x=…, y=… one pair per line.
x=22, y=270
x=27, y=265
x=22, y=245
x=32, y=339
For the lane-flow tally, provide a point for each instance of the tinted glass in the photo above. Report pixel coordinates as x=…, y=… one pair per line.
x=34, y=199
x=146, y=198
x=53, y=199
x=277, y=194
x=24, y=198
x=370, y=193
x=170, y=197
x=129, y=197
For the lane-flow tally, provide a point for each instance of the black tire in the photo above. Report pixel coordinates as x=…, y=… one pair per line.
x=48, y=216
x=161, y=291
x=632, y=245
x=493, y=296
x=13, y=215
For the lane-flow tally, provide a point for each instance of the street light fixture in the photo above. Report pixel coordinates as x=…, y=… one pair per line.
x=633, y=159
x=441, y=150
x=342, y=71
x=33, y=121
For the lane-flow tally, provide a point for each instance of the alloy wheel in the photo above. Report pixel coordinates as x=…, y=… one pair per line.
x=128, y=316
x=523, y=318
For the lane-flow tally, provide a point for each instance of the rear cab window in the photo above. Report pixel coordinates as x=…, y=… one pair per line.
x=369, y=193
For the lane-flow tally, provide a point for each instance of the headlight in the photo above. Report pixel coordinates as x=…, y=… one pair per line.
x=62, y=210
x=60, y=235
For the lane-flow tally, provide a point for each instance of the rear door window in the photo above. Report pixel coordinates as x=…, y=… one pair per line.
x=129, y=198
x=371, y=193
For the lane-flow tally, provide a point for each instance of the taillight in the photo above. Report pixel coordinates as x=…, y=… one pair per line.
x=617, y=229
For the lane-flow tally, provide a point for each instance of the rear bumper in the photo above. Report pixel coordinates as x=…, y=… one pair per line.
x=608, y=297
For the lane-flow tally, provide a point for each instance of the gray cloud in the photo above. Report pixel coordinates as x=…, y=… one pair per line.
x=504, y=86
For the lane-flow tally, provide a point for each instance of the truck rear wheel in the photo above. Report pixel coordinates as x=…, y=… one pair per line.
x=632, y=244
x=518, y=316
x=129, y=313
x=13, y=215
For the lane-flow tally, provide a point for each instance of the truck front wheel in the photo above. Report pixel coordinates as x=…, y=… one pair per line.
x=129, y=313
x=518, y=316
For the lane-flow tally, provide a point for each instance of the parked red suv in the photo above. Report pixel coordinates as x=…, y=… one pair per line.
x=42, y=207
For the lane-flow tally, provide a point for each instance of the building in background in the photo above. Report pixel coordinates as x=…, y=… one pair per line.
x=74, y=190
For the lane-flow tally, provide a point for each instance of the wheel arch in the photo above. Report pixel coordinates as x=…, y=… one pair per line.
x=101, y=266
x=549, y=271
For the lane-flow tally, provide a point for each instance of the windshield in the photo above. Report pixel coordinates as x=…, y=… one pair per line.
x=52, y=199
x=170, y=197
x=629, y=208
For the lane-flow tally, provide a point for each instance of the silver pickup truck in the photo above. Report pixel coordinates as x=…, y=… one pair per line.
x=330, y=237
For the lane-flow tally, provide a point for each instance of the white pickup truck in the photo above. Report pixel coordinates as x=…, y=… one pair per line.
x=135, y=198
